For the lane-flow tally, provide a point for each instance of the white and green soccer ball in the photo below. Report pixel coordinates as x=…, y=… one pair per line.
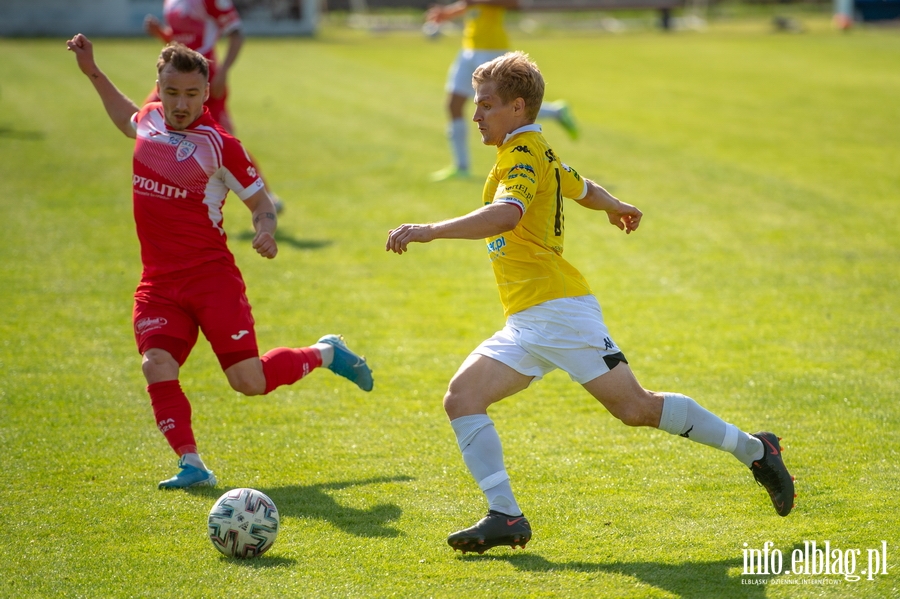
x=243, y=523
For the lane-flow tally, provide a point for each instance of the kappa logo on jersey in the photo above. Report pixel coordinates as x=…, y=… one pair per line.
x=550, y=155
x=251, y=171
x=150, y=324
x=160, y=189
x=184, y=150
x=523, y=149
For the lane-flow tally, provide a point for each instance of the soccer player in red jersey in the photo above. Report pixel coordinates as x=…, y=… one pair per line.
x=184, y=165
x=199, y=24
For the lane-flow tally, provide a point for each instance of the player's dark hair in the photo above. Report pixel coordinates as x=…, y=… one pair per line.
x=515, y=76
x=182, y=59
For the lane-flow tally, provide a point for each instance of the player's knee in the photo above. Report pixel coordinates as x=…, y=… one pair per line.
x=450, y=401
x=630, y=417
x=247, y=376
x=636, y=413
x=159, y=365
x=456, y=401
x=247, y=384
x=459, y=401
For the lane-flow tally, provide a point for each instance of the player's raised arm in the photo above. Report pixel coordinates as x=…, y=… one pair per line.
x=119, y=107
x=265, y=221
x=625, y=216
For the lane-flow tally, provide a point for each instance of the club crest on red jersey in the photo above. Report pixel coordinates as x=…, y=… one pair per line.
x=185, y=150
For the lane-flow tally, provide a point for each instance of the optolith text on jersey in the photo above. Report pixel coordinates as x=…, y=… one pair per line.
x=158, y=188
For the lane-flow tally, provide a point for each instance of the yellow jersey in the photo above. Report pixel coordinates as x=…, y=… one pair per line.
x=527, y=260
x=484, y=29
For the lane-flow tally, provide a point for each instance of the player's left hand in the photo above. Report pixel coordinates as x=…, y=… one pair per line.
x=625, y=216
x=265, y=245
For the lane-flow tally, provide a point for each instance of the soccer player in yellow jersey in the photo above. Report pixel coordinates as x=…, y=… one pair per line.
x=484, y=38
x=553, y=319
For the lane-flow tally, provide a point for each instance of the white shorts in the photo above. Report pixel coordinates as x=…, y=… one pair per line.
x=567, y=333
x=459, y=79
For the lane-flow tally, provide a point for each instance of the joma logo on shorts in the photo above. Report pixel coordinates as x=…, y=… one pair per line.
x=158, y=188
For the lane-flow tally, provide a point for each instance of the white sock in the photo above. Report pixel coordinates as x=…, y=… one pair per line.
x=483, y=454
x=459, y=143
x=683, y=416
x=193, y=459
x=548, y=110
x=326, y=350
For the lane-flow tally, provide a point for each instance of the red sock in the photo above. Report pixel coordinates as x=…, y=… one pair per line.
x=286, y=366
x=173, y=415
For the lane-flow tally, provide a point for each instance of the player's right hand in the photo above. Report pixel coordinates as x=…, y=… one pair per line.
x=399, y=239
x=84, y=53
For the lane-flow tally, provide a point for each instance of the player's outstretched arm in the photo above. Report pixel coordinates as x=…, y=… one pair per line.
x=625, y=216
x=487, y=221
x=220, y=79
x=153, y=26
x=265, y=221
x=119, y=107
x=439, y=13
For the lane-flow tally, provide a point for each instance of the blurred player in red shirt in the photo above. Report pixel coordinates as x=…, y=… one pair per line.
x=199, y=24
x=185, y=163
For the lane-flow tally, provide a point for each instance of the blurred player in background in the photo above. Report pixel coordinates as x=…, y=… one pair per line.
x=553, y=318
x=484, y=39
x=199, y=24
x=185, y=163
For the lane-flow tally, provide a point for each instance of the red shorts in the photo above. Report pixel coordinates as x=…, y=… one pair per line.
x=171, y=309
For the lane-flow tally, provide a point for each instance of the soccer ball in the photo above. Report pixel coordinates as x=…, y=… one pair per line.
x=243, y=523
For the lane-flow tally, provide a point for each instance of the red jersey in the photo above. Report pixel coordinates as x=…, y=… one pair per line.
x=180, y=182
x=198, y=24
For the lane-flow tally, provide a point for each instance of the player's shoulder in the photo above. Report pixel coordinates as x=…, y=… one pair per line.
x=150, y=108
x=528, y=147
x=207, y=124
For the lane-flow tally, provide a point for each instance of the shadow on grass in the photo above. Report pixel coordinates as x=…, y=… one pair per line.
x=264, y=561
x=287, y=239
x=313, y=501
x=688, y=579
x=10, y=133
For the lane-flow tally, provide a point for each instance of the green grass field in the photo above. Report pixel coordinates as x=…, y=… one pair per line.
x=763, y=282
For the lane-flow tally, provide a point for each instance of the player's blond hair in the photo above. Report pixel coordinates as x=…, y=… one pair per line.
x=515, y=75
x=182, y=59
